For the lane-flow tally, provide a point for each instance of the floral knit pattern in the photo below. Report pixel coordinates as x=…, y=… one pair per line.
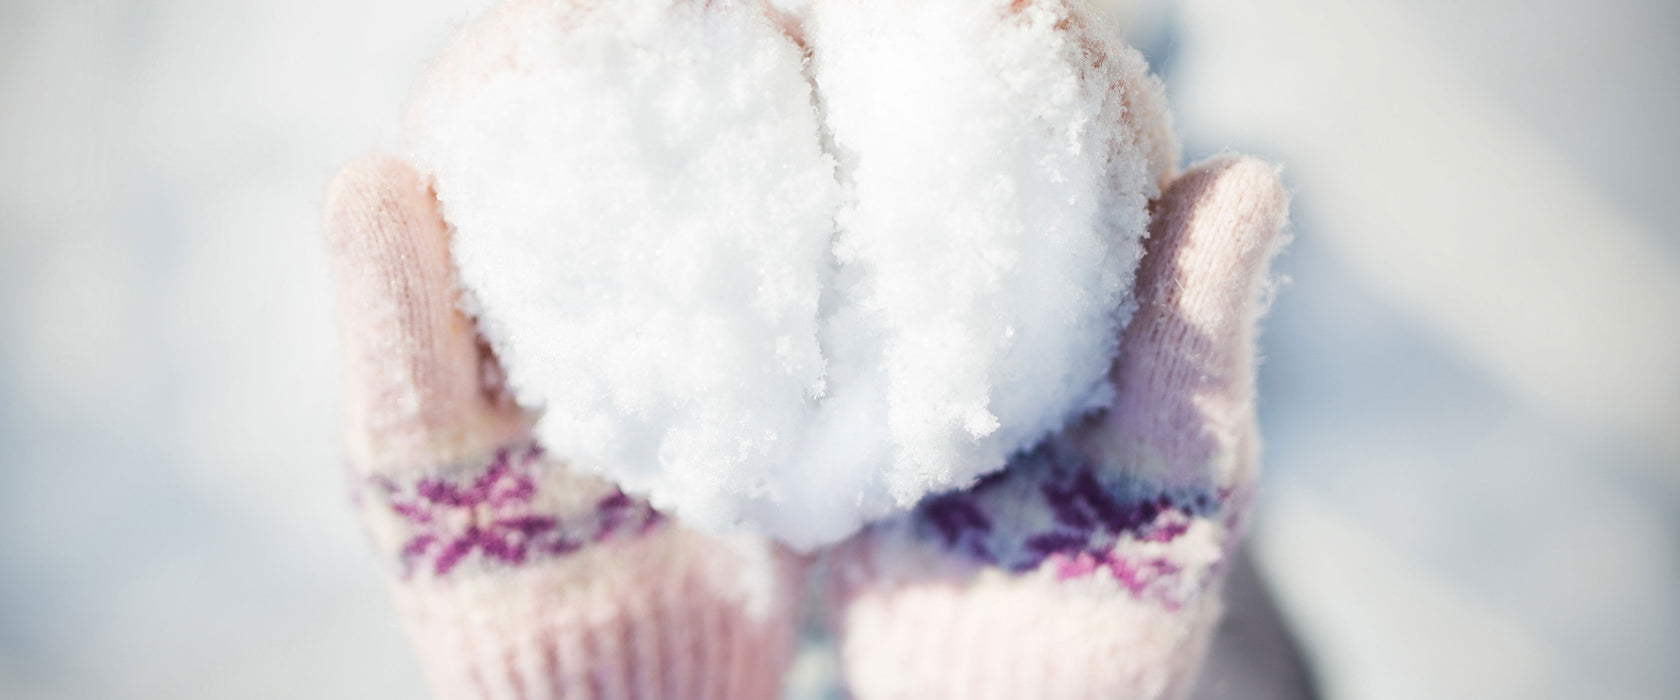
x=1053, y=507
x=496, y=514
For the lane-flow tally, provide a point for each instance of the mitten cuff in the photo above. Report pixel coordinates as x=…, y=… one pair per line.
x=649, y=618
x=518, y=579
x=1057, y=579
x=1048, y=633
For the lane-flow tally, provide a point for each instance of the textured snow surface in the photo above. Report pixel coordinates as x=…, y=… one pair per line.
x=791, y=292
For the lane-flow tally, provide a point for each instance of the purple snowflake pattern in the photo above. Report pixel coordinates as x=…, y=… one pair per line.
x=492, y=512
x=1052, y=505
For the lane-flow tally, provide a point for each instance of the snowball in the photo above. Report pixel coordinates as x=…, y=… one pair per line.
x=788, y=295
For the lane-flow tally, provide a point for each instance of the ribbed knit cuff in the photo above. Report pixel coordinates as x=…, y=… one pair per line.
x=1008, y=636
x=518, y=580
x=1059, y=580
x=653, y=618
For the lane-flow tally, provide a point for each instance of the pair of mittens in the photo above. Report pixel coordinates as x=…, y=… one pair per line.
x=1088, y=569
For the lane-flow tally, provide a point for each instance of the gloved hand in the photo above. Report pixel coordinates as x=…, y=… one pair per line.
x=516, y=577
x=1089, y=568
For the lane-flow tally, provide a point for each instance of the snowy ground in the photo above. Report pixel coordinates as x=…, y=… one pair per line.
x=1471, y=393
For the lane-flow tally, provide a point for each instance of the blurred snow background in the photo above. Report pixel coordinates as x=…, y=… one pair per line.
x=1471, y=390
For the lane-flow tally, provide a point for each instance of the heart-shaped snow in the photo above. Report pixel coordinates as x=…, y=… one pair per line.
x=790, y=288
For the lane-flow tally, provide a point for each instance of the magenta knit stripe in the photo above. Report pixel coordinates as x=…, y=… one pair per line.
x=489, y=513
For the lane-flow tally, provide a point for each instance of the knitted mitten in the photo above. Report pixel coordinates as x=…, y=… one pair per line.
x=1091, y=567
x=516, y=577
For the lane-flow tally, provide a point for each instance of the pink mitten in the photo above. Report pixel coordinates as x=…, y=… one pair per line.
x=1091, y=567
x=516, y=577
